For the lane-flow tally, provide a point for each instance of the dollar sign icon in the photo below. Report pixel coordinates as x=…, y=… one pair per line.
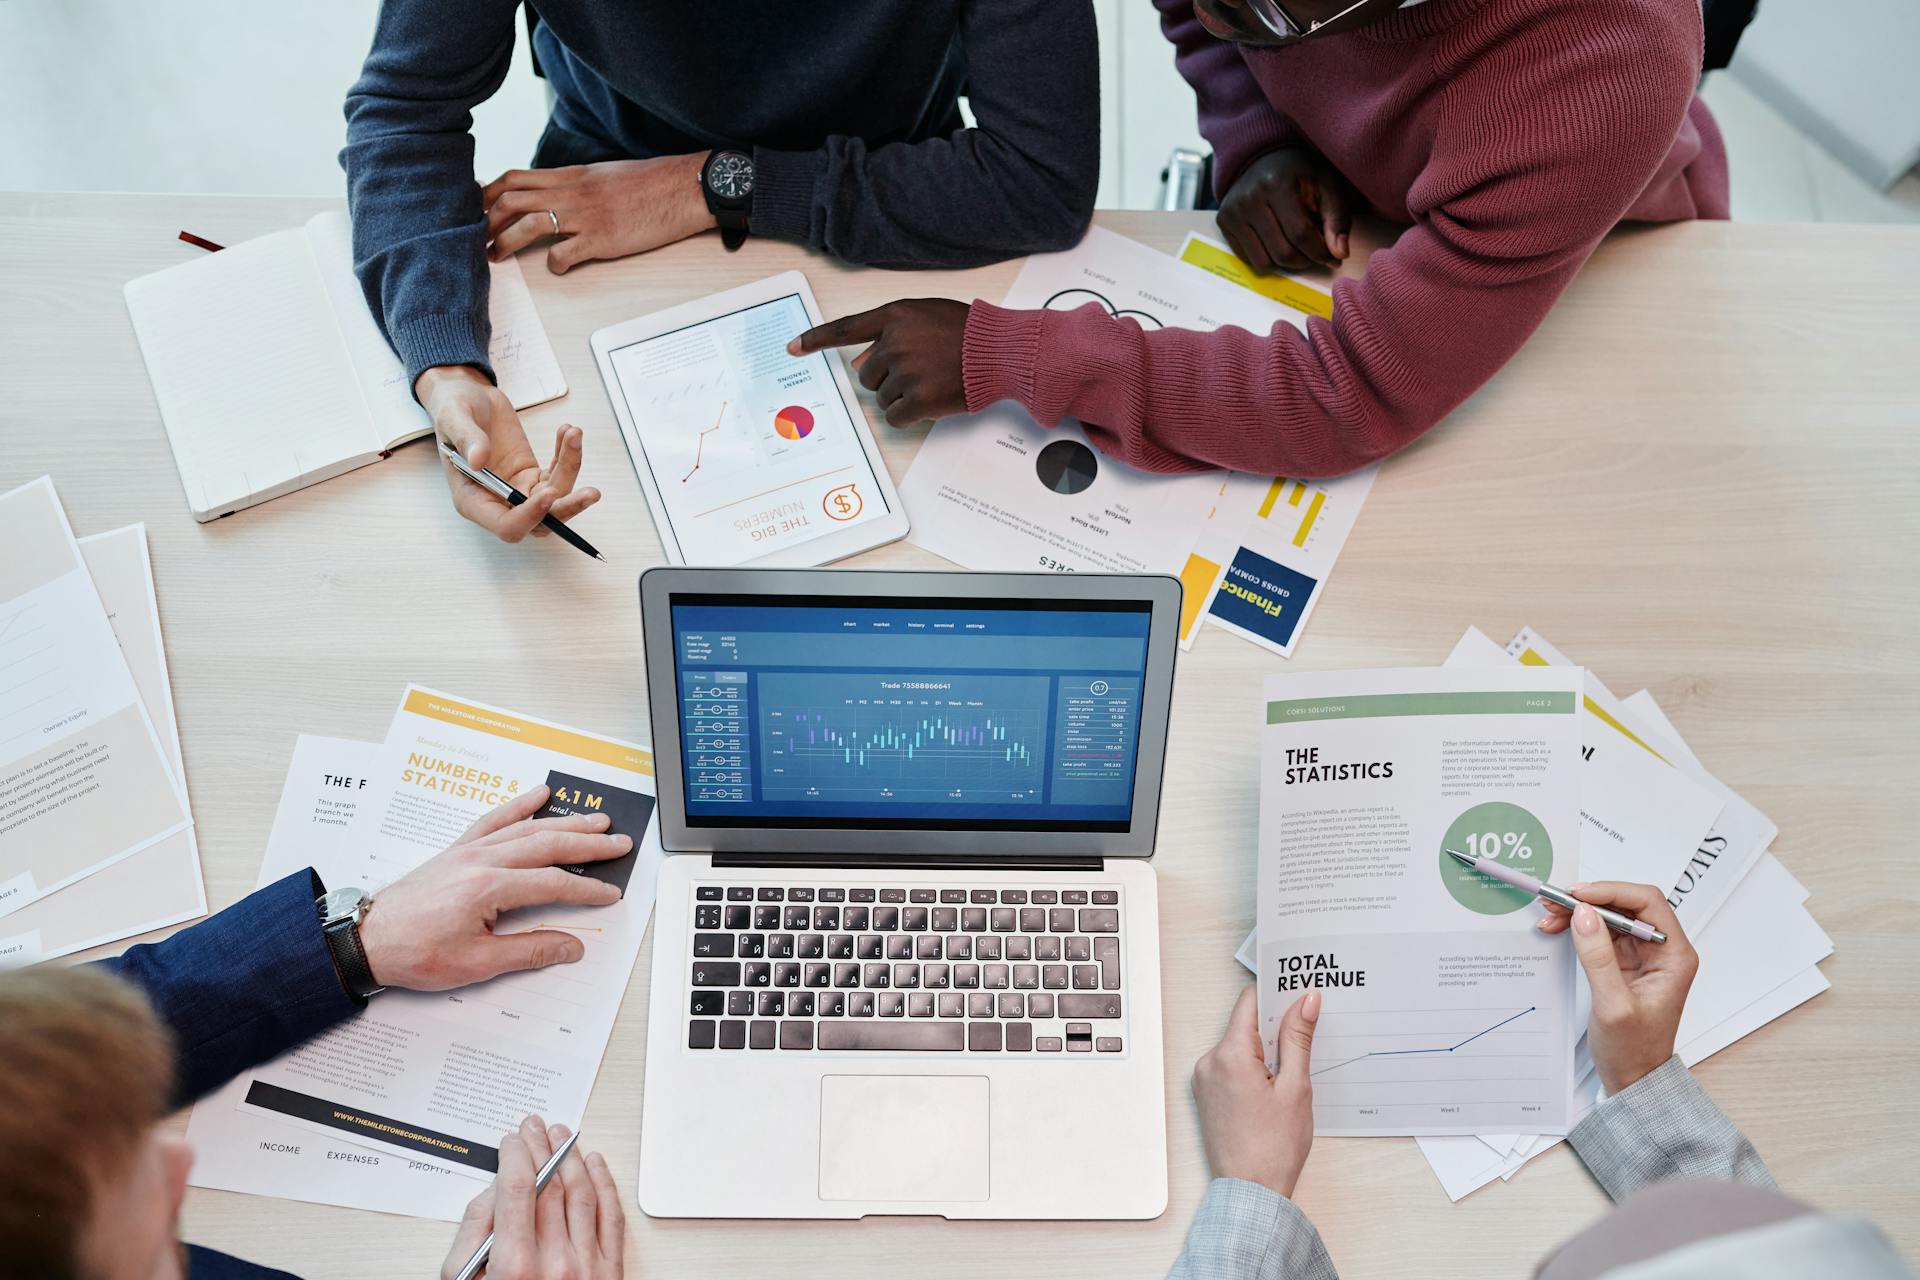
x=842, y=503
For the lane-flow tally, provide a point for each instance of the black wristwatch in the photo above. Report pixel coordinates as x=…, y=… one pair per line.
x=341, y=911
x=727, y=181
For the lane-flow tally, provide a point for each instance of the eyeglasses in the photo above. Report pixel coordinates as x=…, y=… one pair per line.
x=1273, y=15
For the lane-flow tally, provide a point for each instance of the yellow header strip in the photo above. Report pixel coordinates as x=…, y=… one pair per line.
x=550, y=737
x=1284, y=290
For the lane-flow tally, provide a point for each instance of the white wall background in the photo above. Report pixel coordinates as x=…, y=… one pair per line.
x=235, y=96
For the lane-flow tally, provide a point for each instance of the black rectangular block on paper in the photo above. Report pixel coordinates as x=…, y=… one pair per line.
x=629, y=812
x=364, y=1125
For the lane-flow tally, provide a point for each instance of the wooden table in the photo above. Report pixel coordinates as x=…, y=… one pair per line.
x=1701, y=476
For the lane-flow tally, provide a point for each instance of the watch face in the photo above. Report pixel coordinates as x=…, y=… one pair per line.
x=730, y=175
x=340, y=903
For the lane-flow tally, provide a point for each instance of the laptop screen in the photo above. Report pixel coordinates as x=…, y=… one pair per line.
x=921, y=713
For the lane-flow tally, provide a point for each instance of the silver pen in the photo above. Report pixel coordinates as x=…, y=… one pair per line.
x=500, y=489
x=479, y=1258
x=1559, y=897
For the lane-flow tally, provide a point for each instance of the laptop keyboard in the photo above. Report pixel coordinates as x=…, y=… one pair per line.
x=906, y=970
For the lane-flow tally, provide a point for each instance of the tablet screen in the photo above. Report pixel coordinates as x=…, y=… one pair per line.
x=751, y=449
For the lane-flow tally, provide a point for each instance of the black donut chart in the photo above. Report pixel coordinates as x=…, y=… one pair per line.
x=1067, y=466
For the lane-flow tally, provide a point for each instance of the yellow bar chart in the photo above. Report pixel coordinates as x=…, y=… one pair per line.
x=1297, y=492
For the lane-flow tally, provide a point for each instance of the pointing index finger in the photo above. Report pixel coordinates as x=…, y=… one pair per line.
x=844, y=332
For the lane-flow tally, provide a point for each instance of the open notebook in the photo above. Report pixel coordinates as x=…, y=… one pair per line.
x=271, y=374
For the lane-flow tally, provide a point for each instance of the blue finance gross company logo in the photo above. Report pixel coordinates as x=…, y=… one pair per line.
x=1262, y=597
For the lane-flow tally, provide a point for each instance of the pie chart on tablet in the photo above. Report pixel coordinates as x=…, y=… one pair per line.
x=793, y=423
x=1066, y=466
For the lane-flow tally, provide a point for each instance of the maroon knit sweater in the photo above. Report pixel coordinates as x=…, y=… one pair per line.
x=1511, y=134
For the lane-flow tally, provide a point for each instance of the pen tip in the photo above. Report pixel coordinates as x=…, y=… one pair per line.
x=599, y=557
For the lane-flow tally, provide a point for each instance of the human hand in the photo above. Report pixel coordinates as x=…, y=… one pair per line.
x=433, y=928
x=1289, y=210
x=1639, y=988
x=1258, y=1125
x=574, y=1230
x=478, y=420
x=606, y=210
x=913, y=366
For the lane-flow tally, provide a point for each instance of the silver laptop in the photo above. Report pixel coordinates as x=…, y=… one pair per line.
x=906, y=959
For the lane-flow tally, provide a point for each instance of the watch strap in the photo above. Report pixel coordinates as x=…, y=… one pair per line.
x=350, y=958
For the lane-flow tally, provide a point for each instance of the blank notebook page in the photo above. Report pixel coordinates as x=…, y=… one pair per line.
x=250, y=372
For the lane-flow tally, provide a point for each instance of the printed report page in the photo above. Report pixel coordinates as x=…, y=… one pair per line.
x=440, y=1076
x=1444, y=1011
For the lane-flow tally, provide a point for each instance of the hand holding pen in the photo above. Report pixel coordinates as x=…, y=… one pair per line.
x=1637, y=959
x=549, y=1212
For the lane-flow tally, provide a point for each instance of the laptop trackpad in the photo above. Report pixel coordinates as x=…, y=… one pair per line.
x=903, y=1138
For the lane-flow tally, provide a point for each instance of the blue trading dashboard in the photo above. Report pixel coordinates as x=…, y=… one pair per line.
x=955, y=714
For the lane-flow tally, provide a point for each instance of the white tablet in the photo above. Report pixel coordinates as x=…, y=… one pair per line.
x=747, y=455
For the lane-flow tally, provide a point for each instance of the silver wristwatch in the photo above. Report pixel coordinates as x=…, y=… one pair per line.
x=341, y=911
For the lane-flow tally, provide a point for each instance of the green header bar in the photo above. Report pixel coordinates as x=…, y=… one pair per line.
x=1368, y=706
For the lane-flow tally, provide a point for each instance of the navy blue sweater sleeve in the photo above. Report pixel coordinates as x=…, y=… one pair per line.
x=1022, y=181
x=419, y=233
x=243, y=986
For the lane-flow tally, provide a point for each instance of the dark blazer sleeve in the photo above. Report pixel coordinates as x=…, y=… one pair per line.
x=242, y=986
x=205, y=1264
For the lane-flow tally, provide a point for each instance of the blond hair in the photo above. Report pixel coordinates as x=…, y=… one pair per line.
x=86, y=1070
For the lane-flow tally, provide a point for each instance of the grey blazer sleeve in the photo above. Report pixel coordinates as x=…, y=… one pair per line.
x=1245, y=1231
x=1664, y=1126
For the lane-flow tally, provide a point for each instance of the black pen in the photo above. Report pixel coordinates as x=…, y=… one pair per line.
x=500, y=489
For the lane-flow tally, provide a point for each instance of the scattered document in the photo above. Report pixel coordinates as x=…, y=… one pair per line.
x=439, y=1077
x=242, y=1150
x=160, y=885
x=1642, y=819
x=271, y=373
x=84, y=780
x=996, y=490
x=1263, y=553
x=1446, y=1011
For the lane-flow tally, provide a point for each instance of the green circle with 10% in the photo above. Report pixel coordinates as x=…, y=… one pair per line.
x=1500, y=832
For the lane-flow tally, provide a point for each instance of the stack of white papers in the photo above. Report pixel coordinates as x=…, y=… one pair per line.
x=96, y=840
x=1652, y=812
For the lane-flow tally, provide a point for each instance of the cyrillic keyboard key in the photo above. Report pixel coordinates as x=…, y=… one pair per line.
x=831, y=1004
x=1107, y=952
x=1011, y=1005
x=860, y=1004
x=893, y=1004
x=899, y=947
x=772, y=1004
x=809, y=946
x=753, y=945
x=987, y=947
x=906, y=976
x=1086, y=977
x=966, y=977
x=1074, y=1005
x=1026, y=977
x=1080, y=949
x=980, y=1005
x=993, y=977
x=1019, y=948
x=867, y=946
x=903, y=1037
x=796, y=1035
x=927, y=947
x=700, y=1034
x=840, y=947
x=786, y=973
x=983, y=1037
x=780, y=946
x=716, y=973
x=800, y=1004
x=846, y=975
x=959, y=947
x=1047, y=948
x=936, y=977
x=816, y=974
x=873, y=976
x=920, y=1005
x=1053, y=976
x=953, y=1005
x=756, y=973
x=796, y=919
